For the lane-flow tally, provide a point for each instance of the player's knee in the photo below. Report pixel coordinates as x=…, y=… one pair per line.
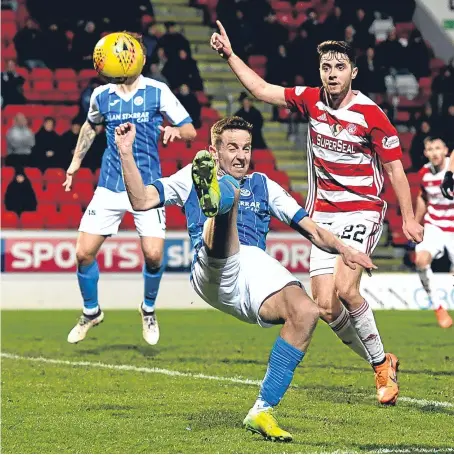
x=153, y=257
x=346, y=292
x=84, y=256
x=301, y=311
x=326, y=311
x=422, y=260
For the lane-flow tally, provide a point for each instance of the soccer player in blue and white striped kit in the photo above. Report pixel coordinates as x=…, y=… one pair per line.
x=143, y=102
x=228, y=214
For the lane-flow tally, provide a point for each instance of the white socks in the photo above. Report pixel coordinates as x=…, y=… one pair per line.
x=364, y=323
x=91, y=311
x=343, y=328
x=426, y=276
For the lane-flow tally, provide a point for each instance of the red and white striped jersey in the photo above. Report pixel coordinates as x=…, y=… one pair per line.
x=440, y=211
x=346, y=149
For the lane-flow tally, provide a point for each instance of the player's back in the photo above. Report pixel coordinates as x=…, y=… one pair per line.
x=440, y=210
x=144, y=107
x=346, y=148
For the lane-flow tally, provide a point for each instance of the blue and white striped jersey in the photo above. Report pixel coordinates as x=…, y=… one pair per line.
x=145, y=108
x=260, y=198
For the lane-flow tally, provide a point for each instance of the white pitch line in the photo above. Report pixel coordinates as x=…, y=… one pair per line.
x=235, y=380
x=415, y=450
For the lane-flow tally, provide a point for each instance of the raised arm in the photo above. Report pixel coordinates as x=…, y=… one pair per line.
x=141, y=197
x=262, y=90
x=328, y=242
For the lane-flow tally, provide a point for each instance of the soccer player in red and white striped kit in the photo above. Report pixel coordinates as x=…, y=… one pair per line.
x=438, y=214
x=350, y=141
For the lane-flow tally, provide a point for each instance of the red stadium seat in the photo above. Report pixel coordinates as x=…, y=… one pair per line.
x=298, y=197
x=209, y=113
x=65, y=74
x=9, y=29
x=9, y=220
x=257, y=61
x=69, y=89
x=4, y=145
x=23, y=72
x=9, y=53
x=263, y=155
x=73, y=214
x=54, y=193
x=405, y=140
x=265, y=167
x=41, y=74
x=202, y=98
x=436, y=64
x=281, y=6
x=402, y=117
x=34, y=174
x=58, y=221
x=46, y=210
x=68, y=112
x=43, y=86
x=8, y=174
x=85, y=175
x=406, y=161
x=175, y=218
x=55, y=175
x=168, y=168
x=280, y=177
x=8, y=16
x=62, y=125
x=85, y=76
x=82, y=192
x=31, y=220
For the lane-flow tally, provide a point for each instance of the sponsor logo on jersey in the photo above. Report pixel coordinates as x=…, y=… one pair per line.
x=336, y=129
x=138, y=101
x=322, y=118
x=113, y=103
x=245, y=192
x=351, y=128
x=140, y=117
x=335, y=145
x=390, y=142
x=245, y=205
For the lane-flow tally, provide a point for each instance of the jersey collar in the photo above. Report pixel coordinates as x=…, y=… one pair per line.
x=128, y=96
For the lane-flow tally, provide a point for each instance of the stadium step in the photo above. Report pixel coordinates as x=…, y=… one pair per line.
x=216, y=76
x=177, y=13
x=210, y=67
x=173, y=2
x=206, y=57
x=198, y=31
x=274, y=135
x=205, y=48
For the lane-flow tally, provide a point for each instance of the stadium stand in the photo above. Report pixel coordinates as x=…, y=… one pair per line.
x=403, y=77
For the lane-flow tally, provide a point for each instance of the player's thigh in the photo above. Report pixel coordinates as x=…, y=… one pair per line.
x=104, y=213
x=87, y=247
x=324, y=295
x=347, y=281
x=434, y=243
x=151, y=223
x=153, y=250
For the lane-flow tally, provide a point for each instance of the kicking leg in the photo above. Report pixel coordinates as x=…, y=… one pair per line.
x=346, y=282
x=299, y=314
x=423, y=263
x=87, y=248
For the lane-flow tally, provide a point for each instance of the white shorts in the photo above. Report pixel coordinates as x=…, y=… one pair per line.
x=435, y=241
x=240, y=284
x=356, y=230
x=107, y=208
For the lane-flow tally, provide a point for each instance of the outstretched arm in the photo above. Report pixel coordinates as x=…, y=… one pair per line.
x=141, y=197
x=262, y=90
x=328, y=242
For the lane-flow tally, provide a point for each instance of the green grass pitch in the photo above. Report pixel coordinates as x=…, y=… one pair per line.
x=88, y=408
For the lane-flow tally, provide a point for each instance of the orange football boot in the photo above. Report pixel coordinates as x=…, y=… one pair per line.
x=386, y=380
x=443, y=318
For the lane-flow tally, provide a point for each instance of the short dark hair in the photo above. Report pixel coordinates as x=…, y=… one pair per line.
x=139, y=38
x=341, y=47
x=228, y=123
x=46, y=119
x=433, y=138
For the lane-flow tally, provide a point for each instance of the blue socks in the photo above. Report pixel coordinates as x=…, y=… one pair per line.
x=88, y=276
x=284, y=358
x=227, y=193
x=152, y=278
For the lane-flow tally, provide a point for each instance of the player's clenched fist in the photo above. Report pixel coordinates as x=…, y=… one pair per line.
x=124, y=137
x=220, y=42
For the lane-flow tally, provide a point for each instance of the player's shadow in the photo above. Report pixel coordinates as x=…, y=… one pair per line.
x=437, y=410
x=145, y=351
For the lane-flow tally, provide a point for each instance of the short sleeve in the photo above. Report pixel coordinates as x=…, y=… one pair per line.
x=175, y=190
x=295, y=99
x=172, y=108
x=283, y=206
x=94, y=115
x=384, y=139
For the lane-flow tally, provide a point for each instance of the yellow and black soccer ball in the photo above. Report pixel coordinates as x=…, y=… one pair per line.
x=118, y=56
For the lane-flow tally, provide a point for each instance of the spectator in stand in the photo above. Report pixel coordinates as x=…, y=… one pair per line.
x=419, y=55
x=172, y=41
x=271, y=36
x=349, y=36
x=68, y=140
x=313, y=27
x=447, y=127
x=334, y=25
x=191, y=104
x=29, y=46
x=150, y=39
x=83, y=44
x=19, y=195
x=391, y=53
x=161, y=59
x=20, y=141
x=56, y=47
x=426, y=115
x=443, y=90
x=12, y=91
x=417, y=156
x=47, y=151
x=279, y=68
x=156, y=74
x=252, y=115
x=370, y=78
x=361, y=24
x=301, y=52
x=183, y=70
x=84, y=102
x=381, y=26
